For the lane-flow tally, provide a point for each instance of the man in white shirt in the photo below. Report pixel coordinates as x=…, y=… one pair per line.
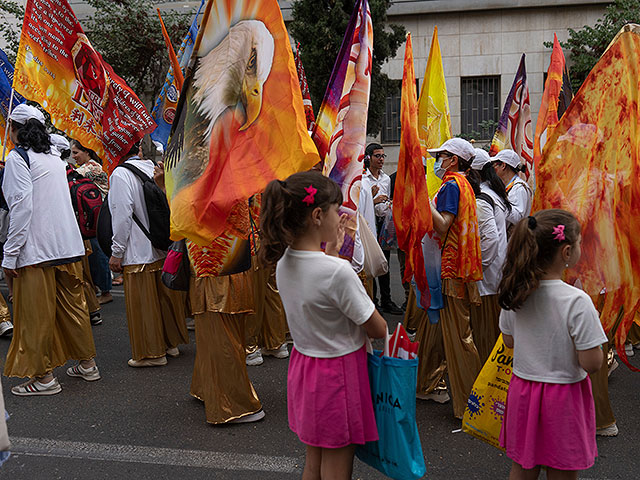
x=42, y=255
x=155, y=314
x=379, y=184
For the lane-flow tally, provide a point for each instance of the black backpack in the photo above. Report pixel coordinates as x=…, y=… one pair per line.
x=157, y=210
x=25, y=156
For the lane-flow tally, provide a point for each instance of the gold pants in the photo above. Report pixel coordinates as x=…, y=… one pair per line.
x=413, y=314
x=51, y=320
x=267, y=326
x=633, y=336
x=87, y=281
x=155, y=314
x=600, y=390
x=5, y=316
x=220, y=376
x=485, y=325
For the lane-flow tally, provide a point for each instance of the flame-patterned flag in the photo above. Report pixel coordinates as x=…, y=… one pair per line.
x=411, y=219
x=240, y=120
x=58, y=67
x=304, y=88
x=341, y=125
x=434, y=117
x=514, y=126
x=590, y=166
x=555, y=99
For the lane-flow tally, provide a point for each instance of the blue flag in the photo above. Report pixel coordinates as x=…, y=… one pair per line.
x=164, y=110
x=6, y=82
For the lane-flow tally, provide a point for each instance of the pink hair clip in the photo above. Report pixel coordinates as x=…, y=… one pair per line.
x=310, y=198
x=558, y=233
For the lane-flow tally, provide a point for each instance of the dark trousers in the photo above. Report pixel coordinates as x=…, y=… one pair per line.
x=385, y=283
x=406, y=285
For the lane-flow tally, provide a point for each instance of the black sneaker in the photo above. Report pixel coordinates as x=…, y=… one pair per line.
x=95, y=318
x=391, y=308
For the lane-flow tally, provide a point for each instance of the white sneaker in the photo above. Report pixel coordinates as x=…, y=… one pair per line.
x=612, y=367
x=254, y=359
x=440, y=396
x=191, y=323
x=6, y=328
x=610, y=431
x=254, y=417
x=282, y=352
x=173, y=352
x=628, y=348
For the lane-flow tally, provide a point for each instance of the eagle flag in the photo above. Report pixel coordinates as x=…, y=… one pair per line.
x=6, y=90
x=58, y=67
x=555, y=99
x=340, y=132
x=240, y=120
x=514, y=126
x=164, y=109
x=590, y=166
x=411, y=219
x=304, y=88
x=434, y=117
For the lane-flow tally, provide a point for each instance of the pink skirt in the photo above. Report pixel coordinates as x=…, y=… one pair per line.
x=550, y=424
x=329, y=400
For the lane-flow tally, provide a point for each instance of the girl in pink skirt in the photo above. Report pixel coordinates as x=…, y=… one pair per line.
x=557, y=337
x=329, y=315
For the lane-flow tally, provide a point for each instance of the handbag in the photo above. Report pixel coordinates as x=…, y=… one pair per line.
x=398, y=452
x=486, y=405
x=375, y=263
x=387, y=237
x=176, y=271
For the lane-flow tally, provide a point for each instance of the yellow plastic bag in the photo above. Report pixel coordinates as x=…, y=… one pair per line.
x=486, y=405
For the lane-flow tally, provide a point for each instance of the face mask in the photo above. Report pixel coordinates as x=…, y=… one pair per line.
x=438, y=170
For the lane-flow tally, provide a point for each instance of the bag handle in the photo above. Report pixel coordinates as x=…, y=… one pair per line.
x=385, y=350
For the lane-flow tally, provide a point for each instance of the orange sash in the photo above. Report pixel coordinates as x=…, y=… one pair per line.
x=461, y=256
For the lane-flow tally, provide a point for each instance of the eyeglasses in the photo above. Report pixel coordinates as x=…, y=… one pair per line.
x=379, y=155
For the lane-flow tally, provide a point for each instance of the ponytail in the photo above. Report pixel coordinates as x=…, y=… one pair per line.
x=488, y=174
x=531, y=250
x=285, y=210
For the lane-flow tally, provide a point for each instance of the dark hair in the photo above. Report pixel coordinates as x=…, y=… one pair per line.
x=93, y=155
x=32, y=135
x=489, y=175
x=371, y=148
x=284, y=216
x=134, y=150
x=473, y=177
x=531, y=250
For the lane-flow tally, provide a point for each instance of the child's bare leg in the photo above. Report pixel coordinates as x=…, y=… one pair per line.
x=337, y=463
x=519, y=473
x=312, y=463
x=555, y=474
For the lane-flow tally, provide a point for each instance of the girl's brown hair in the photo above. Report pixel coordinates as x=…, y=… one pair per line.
x=531, y=250
x=284, y=216
x=92, y=154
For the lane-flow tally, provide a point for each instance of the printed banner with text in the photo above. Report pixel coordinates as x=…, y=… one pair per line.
x=58, y=68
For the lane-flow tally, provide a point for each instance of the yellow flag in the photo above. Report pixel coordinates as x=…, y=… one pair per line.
x=434, y=119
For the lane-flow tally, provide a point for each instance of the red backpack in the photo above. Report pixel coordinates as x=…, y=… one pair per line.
x=86, y=200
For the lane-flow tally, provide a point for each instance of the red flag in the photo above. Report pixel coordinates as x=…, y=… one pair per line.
x=175, y=64
x=304, y=88
x=411, y=218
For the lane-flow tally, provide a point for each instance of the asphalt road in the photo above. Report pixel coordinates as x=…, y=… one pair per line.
x=142, y=424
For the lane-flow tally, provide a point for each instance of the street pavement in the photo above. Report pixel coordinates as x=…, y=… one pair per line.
x=142, y=424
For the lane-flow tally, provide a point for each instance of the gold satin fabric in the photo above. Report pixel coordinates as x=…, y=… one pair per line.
x=634, y=333
x=366, y=282
x=226, y=294
x=51, y=320
x=265, y=328
x=5, y=315
x=600, y=379
x=155, y=314
x=413, y=313
x=87, y=281
x=485, y=325
x=463, y=361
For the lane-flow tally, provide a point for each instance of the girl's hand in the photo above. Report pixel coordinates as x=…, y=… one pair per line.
x=333, y=248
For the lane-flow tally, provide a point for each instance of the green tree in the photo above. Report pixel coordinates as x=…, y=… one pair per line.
x=11, y=14
x=589, y=43
x=320, y=27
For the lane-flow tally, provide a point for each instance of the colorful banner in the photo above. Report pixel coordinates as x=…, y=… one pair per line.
x=164, y=109
x=58, y=68
x=514, y=126
x=6, y=86
x=412, y=220
x=555, y=99
x=304, y=88
x=240, y=119
x=434, y=118
x=341, y=125
x=590, y=167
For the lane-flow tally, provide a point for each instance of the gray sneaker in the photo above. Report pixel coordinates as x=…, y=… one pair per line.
x=33, y=387
x=89, y=374
x=6, y=328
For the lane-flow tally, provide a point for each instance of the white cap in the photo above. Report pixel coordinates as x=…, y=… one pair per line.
x=23, y=112
x=60, y=142
x=481, y=159
x=456, y=146
x=509, y=157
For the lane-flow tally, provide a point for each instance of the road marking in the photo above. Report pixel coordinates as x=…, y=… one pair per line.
x=157, y=456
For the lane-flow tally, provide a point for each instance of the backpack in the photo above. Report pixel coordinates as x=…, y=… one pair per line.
x=86, y=200
x=157, y=210
x=25, y=156
x=487, y=198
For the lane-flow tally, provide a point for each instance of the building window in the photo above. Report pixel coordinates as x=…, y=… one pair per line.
x=480, y=106
x=391, y=120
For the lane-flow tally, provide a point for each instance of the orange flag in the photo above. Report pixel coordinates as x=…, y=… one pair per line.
x=175, y=64
x=412, y=220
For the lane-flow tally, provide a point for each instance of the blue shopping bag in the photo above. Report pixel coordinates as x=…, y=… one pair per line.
x=398, y=453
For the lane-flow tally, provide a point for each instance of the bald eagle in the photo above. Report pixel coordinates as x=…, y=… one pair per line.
x=234, y=72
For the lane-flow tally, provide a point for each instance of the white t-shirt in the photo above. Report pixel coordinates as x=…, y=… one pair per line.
x=554, y=322
x=325, y=303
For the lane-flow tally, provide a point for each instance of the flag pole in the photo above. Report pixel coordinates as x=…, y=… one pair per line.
x=6, y=127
